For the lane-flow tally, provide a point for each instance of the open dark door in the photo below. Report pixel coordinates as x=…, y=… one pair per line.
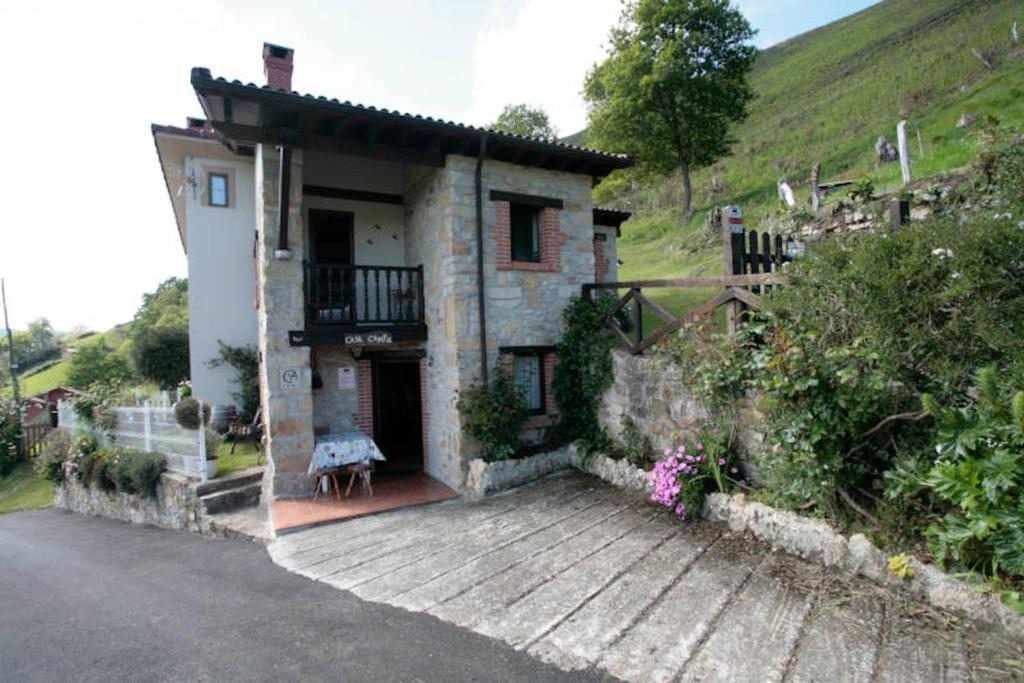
x=397, y=414
x=332, y=281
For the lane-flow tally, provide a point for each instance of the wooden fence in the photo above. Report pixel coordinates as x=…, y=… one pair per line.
x=751, y=262
x=32, y=439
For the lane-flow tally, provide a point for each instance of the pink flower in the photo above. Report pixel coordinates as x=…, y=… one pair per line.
x=700, y=446
x=733, y=470
x=721, y=461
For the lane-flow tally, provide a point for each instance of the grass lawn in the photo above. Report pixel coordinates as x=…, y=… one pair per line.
x=53, y=376
x=23, y=489
x=245, y=455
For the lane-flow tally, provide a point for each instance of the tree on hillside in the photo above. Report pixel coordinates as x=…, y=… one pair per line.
x=165, y=306
x=673, y=83
x=522, y=119
x=159, y=334
x=41, y=332
x=161, y=355
x=93, y=363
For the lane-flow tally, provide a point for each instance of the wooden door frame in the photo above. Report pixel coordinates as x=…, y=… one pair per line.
x=412, y=357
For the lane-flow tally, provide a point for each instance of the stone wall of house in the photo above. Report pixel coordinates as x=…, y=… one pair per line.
x=524, y=308
x=285, y=374
x=175, y=505
x=335, y=409
x=654, y=395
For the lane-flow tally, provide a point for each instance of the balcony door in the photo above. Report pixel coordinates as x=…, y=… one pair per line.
x=331, y=279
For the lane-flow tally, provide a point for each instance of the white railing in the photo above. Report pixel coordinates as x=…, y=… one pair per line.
x=146, y=428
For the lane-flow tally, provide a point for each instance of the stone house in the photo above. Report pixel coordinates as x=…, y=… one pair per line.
x=380, y=261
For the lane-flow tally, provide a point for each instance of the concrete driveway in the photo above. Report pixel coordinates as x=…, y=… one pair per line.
x=85, y=599
x=589, y=578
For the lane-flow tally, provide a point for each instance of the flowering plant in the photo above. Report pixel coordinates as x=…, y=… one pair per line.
x=682, y=478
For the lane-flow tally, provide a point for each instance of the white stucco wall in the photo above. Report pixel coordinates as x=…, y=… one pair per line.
x=221, y=275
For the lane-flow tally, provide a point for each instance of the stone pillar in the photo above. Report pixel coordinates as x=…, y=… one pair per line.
x=285, y=375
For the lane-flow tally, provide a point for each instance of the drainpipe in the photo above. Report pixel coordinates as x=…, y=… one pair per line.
x=480, y=255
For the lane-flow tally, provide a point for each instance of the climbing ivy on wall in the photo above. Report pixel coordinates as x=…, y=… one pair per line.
x=584, y=369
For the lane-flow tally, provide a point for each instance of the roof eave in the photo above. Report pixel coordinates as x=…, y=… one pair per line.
x=461, y=137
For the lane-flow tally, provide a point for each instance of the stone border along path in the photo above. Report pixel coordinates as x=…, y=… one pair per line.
x=581, y=574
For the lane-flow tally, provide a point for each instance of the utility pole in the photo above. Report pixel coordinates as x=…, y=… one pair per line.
x=10, y=345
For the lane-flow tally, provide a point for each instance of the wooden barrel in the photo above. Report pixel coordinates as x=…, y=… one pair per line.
x=221, y=416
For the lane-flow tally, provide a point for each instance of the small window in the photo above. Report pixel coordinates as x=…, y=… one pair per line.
x=218, y=189
x=528, y=373
x=525, y=233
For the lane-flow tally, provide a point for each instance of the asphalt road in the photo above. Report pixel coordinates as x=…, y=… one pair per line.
x=91, y=599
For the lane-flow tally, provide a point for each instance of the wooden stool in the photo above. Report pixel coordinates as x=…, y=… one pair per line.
x=331, y=477
x=363, y=472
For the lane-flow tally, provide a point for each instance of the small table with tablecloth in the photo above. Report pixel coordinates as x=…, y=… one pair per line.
x=349, y=451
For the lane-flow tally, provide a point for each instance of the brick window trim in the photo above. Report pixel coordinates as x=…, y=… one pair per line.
x=549, y=361
x=362, y=418
x=551, y=239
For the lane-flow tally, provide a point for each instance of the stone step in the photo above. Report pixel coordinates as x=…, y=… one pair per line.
x=231, y=499
x=250, y=475
x=248, y=523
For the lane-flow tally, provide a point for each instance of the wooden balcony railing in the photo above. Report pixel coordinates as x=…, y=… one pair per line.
x=356, y=298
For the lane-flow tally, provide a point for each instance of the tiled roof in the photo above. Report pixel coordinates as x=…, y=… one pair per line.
x=203, y=81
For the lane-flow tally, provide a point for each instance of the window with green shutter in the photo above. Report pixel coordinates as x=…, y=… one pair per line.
x=525, y=232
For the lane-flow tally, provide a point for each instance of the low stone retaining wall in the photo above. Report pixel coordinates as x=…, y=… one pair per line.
x=617, y=472
x=484, y=477
x=175, y=505
x=817, y=541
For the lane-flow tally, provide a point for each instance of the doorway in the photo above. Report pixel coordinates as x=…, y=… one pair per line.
x=397, y=414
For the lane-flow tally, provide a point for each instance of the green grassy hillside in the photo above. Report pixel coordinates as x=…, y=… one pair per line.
x=826, y=96
x=36, y=382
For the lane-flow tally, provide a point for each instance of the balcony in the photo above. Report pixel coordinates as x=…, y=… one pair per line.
x=361, y=305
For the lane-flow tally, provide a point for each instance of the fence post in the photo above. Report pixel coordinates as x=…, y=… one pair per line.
x=147, y=427
x=202, y=444
x=638, y=320
x=733, y=225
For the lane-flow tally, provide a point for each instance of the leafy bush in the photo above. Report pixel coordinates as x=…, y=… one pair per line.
x=122, y=469
x=635, y=446
x=96, y=406
x=494, y=415
x=979, y=475
x=865, y=327
x=584, y=369
x=161, y=354
x=186, y=412
x=56, y=451
x=246, y=362
x=684, y=476
x=863, y=189
x=10, y=435
x=141, y=472
x=105, y=472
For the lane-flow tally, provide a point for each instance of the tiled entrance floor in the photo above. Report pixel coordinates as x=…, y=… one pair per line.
x=389, y=492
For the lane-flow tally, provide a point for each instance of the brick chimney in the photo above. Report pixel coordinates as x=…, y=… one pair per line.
x=277, y=66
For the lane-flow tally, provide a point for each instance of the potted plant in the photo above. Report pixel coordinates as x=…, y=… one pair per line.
x=213, y=440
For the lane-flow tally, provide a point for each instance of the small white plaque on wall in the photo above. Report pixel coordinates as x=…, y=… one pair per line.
x=346, y=378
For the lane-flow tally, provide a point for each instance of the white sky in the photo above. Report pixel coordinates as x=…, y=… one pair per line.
x=87, y=227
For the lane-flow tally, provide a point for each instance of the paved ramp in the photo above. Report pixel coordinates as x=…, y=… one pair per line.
x=582, y=575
